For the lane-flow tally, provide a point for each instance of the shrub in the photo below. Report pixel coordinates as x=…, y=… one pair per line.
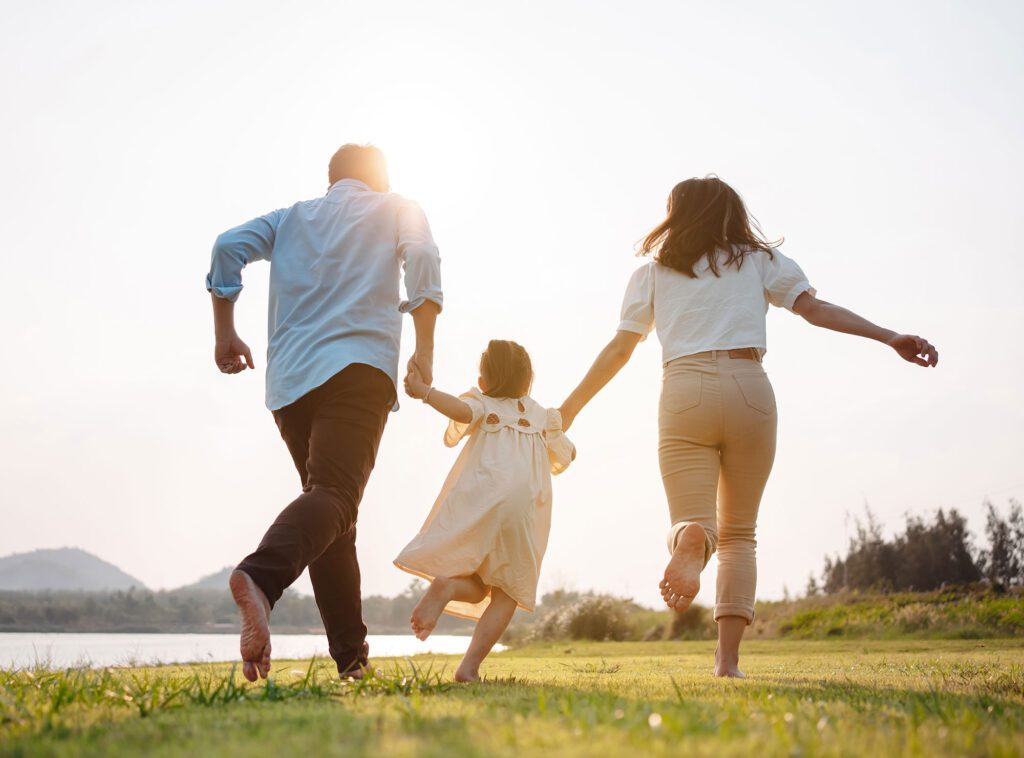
x=695, y=623
x=593, y=617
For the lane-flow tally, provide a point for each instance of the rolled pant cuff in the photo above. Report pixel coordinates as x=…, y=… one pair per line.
x=261, y=583
x=734, y=609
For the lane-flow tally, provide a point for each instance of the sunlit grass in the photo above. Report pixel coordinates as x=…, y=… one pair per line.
x=828, y=698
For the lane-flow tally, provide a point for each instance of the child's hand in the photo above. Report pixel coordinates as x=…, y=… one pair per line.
x=415, y=387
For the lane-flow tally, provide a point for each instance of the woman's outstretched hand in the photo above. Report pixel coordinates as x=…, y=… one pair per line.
x=914, y=349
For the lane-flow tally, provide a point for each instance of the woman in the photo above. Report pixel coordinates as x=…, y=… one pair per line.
x=706, y=292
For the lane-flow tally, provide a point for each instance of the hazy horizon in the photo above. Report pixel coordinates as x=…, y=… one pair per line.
x=886, y=143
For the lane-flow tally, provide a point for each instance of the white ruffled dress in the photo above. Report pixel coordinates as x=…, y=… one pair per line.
x=493, y=515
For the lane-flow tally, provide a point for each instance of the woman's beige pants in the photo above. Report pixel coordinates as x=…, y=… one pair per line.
x=717, y=423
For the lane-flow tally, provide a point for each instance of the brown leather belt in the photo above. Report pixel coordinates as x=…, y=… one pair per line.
x=750, y=353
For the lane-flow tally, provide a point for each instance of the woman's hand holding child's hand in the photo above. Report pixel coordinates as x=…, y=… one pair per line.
x=415, y=387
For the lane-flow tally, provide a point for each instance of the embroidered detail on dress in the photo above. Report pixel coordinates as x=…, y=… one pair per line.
x=523, y=422
x=522, y=408
x=492, y=418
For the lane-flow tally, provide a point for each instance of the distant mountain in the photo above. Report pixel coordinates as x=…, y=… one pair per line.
x=66, y=568
x=216, y=581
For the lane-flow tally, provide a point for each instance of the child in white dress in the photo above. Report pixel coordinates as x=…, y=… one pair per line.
x=482, y=545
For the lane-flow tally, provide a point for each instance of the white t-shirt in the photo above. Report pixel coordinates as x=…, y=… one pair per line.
x=709, y=312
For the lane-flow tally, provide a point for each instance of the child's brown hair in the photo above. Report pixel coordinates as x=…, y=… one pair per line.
x=506, y=369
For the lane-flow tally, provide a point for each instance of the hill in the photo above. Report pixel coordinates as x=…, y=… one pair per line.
x=217, y=581
x=66, y=568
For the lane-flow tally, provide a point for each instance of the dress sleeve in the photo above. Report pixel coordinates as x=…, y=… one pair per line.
x=638, y=303
x=784, y=281
x=456, y=429
x=561, y=452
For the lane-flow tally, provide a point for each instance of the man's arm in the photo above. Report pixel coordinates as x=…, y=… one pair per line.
x=424, y=319
x=422, y=266
x=230, y=353
x=233, y=251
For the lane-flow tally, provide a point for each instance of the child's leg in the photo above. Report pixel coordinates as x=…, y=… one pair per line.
x=465, y=589
x=489, y=629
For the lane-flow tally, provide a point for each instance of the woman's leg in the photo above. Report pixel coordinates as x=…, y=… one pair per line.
x=443, y=590
x=727, y=655
x=489, y=629
x=748, y=452
x=689, y=425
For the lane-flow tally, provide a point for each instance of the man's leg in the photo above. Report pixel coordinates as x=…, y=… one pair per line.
x=294, y=422
x=346, y=423
x=336, y=586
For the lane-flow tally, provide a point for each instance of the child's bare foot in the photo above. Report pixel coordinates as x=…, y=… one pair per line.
x=682, y=575
x=430, y=607
x=467, y=674
x=254, y=608
x=728, y=667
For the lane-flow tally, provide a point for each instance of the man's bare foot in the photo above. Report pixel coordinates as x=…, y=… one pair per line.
x=254, y=608
x=681, y=582
x=728, y=668
x=466, y=674
x=430, y=607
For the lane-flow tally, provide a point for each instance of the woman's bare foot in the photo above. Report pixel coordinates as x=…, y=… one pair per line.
x=467, y=674
x=728, y=668
x=254, y=608
x=682, y=575
x=430, y=607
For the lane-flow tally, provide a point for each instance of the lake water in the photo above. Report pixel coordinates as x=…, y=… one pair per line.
x=60, y=650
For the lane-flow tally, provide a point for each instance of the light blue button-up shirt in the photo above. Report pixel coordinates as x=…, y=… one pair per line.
x=335, y=266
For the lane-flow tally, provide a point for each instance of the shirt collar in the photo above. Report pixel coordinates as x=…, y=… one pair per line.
x=343, y=183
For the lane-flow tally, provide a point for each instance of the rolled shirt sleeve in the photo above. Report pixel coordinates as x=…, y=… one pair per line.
x=235, y=249
x=420, y=259
x=638, y=303
x=784, y=280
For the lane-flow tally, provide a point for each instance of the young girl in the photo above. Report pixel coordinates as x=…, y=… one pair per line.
x=482, y=544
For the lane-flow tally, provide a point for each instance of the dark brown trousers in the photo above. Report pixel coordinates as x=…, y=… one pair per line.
x=332, y=433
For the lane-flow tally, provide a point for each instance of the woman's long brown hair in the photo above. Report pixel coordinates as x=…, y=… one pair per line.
x=704, y=216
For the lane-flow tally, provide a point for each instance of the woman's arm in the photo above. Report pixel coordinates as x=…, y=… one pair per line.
x=610, y=361
x=828, y=316
x=442, y=402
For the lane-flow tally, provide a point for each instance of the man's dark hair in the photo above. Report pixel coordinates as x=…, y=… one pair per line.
x=363, y=162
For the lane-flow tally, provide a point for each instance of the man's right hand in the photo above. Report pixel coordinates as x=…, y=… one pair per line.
x=422, y=363
x=415, y=387
x=232, y=355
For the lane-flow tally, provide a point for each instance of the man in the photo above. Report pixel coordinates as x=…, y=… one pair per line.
x=332, y=368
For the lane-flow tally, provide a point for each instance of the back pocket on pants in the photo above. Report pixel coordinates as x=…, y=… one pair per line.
x=757, y=391
x=681, y=392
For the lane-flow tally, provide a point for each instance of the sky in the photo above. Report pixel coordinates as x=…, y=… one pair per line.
x=884, y=141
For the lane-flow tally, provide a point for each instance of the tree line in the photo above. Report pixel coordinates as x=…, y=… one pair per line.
x=190, y=610
x=929, y=554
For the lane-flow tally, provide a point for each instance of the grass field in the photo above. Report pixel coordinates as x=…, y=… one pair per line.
x=879, y=698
